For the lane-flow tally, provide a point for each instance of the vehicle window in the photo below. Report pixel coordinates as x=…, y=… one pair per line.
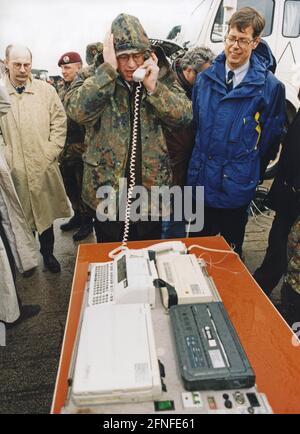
x=219, y=26
x=265, y=7
x=291, y=19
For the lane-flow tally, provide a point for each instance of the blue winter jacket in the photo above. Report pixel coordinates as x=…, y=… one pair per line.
x=233, y=131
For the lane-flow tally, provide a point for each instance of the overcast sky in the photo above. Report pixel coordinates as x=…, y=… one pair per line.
x=52, y=27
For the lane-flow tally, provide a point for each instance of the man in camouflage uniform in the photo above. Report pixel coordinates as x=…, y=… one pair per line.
x=290, y=291
x=103, y=103
x=71, y=164
x=93, y=51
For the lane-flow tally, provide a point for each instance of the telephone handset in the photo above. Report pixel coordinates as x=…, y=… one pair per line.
x=168, y=247
x=139, y=74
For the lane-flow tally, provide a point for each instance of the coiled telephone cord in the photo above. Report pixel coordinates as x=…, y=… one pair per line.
x=135, y=132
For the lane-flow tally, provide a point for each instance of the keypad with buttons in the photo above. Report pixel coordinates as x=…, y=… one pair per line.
x=101, y=285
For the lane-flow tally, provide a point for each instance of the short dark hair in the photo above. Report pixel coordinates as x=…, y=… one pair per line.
x=246, y=17
x=10, y=47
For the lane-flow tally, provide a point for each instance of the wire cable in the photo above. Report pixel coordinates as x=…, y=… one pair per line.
x=135, y=132
x=260, y=212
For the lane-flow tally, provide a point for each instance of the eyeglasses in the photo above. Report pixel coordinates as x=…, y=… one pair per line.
x=18, y=66
x=137, y=57
x=242, y=42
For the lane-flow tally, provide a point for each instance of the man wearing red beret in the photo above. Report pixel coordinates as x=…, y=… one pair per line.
x=71, y=164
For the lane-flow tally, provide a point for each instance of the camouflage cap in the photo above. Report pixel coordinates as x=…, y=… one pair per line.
x=91, y=50
x=129, y=34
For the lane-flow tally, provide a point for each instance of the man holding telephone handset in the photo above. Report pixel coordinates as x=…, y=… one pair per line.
x=124, y=122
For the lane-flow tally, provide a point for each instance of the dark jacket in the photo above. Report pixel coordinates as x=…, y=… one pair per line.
x=285, y=191
x=180, y=141
x=234, y=131
x=75, y=145
x=186, y=86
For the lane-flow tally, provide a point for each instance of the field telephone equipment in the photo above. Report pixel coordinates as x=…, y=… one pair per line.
x=209, y=352
x=234, y=401
x=134, y=273
x=187, y=280
x=127, y=279
x=116, y=359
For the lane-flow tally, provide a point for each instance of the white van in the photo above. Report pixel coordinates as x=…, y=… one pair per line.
x=208, y=25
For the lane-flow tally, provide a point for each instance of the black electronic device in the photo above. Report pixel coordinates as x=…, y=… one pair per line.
x=209, y=351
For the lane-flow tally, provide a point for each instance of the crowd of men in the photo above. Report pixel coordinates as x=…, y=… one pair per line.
x=203, y=121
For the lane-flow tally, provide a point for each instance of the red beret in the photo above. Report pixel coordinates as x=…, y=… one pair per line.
x=71, y=57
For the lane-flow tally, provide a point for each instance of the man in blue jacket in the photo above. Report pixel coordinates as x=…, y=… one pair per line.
x=239, y=113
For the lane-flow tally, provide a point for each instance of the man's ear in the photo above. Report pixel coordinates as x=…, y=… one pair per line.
x=256, y=42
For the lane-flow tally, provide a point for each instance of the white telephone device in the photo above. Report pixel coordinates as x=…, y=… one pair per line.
x=134, y=274
x=186, y=280
x=168, y=247
x=139, y=74
x=127, y=279
x=185, y=276
x=130, y=276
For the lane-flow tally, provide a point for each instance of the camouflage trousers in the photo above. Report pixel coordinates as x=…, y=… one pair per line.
x=72, y=174
x=290, y=291
x=293, y=269
x=290, y=302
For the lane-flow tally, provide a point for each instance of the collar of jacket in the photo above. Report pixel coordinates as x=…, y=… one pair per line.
x=11, y=90
x=250, y=86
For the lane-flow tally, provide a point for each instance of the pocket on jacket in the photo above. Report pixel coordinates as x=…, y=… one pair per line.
x=240, y=180
x=251, y=133
x=247, y=142
x=90, y=161
x=104, y=157
x=50, y=159
x=242, y=172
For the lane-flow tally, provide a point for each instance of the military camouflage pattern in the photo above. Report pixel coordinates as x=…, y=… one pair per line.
x=103, y=105
x=293, y=273
x=75, y=143
x=129, y=34
x=71, y=163
x=92, y=50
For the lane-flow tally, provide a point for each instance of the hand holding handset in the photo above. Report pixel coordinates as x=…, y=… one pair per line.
x=139, y=73
x=150, y=61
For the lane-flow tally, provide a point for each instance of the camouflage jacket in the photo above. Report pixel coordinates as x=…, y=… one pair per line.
x=293, y=273
x=103, y=105
x=75, y=143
